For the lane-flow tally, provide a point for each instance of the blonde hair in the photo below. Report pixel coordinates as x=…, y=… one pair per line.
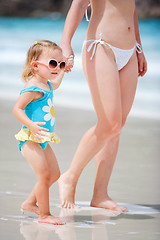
x=33, y=54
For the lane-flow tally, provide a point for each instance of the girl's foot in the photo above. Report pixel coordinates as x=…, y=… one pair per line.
x=30, y=207
x=107, y=203
x=49, y=219
x=66, y=192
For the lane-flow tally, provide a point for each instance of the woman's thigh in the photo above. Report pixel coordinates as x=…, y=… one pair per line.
x=103, y=79
x=128, y=83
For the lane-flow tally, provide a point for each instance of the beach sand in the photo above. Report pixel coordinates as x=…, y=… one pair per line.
x=135, y=182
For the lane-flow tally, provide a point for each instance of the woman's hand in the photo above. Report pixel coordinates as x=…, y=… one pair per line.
x=142, y=64
x=69, y=57
x=37, y=130
x=69, y=63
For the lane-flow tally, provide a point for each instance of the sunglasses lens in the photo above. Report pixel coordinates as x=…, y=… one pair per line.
x=53, y=64
x=62, y=65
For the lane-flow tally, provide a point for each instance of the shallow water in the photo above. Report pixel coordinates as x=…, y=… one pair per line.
x=140, y=222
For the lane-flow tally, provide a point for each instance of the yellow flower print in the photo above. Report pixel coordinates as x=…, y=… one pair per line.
x=50, y=112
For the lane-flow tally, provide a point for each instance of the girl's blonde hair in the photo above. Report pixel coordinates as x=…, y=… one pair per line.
x=33, y=54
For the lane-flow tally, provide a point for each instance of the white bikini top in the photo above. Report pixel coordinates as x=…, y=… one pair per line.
x=86, y=13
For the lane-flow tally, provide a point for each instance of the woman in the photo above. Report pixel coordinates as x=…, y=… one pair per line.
x=111, y=65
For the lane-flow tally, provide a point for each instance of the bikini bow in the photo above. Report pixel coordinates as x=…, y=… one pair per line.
x=94, y=45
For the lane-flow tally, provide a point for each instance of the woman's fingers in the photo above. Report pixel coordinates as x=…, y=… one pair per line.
x=142, y=65
x=68, y=70
x=69, y=63
x=144, y=68
x=143, y=71
x=70, y=60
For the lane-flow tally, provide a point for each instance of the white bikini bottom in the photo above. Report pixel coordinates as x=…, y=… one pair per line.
x=122, y=56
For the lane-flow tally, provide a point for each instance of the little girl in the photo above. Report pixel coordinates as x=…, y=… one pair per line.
x=34, y=109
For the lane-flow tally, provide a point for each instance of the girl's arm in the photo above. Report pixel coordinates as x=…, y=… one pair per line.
x=18, y=110
x=57, y=81
x=73, y=19
x=142, y=63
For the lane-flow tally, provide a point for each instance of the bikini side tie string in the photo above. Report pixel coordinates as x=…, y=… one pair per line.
x=138, y=48
x=94, y=45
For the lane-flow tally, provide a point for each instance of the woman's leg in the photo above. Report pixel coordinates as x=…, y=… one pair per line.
x=104, y=162
x=105, y=159
x=38, y=161
x=103, y=79
x=30, y=203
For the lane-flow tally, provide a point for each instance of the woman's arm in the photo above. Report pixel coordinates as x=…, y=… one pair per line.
x=57, y=81
x=142, y=63
x=73, y=19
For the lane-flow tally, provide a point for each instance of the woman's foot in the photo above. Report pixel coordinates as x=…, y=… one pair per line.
x=49, y=219
x=66, y=192
x=107, y=203
x=30, y=207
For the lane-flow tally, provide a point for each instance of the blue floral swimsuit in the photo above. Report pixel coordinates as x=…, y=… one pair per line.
x=41, y=110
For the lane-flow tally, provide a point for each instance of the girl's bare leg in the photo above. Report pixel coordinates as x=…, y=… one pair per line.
x=38, y=161
x=105, y=159
x=30, y=204
x=104, y=84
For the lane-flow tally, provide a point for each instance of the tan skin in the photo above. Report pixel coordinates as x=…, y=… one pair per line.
x=117, y=21
x=43, y=163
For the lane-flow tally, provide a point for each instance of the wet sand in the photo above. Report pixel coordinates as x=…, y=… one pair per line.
x=135, y=182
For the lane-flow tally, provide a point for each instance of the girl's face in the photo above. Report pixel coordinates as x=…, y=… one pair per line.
x=41, y=65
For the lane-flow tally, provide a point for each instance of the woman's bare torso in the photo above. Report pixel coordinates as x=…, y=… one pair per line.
x=115, y=20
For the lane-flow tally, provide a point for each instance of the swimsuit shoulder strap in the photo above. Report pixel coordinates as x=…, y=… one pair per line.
x=49, y=84
x=32, y=88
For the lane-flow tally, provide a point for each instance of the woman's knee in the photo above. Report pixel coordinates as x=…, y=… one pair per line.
x=106, y=130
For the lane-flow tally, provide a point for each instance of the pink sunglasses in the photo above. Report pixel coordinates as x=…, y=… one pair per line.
x=53, y=64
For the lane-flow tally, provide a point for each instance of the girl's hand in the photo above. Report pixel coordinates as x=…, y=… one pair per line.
x=69, y=57
x=37, y=130
x=142, y=64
